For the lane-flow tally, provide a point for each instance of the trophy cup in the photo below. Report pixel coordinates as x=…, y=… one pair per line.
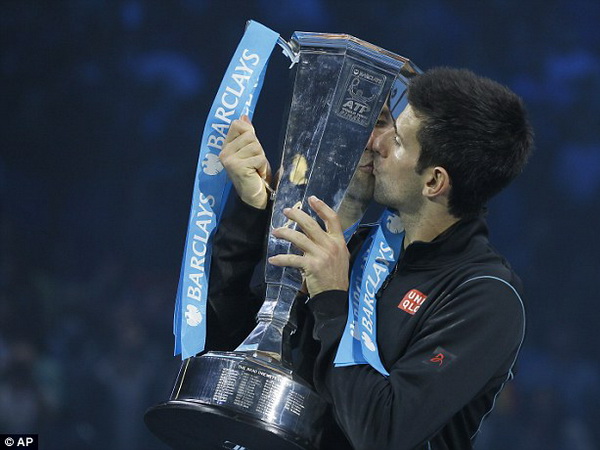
x=250, y=398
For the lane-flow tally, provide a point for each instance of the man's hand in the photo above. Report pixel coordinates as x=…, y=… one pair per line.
x=325, y=262
x=246, y=163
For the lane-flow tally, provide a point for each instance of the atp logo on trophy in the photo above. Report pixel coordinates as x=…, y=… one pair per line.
x=363, y=88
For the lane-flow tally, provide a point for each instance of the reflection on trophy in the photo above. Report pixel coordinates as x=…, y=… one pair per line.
x=251, y=398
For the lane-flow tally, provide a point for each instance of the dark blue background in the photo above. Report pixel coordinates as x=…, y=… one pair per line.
x=103, y=104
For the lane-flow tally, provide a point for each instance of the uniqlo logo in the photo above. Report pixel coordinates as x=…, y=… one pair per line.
x=412, y=301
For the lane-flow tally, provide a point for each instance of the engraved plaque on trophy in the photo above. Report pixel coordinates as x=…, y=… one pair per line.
x=250, y=398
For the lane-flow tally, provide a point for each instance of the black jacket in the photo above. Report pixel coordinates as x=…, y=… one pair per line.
x=448, y=355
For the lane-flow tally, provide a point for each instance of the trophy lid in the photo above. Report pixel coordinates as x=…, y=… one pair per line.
x=333, y=42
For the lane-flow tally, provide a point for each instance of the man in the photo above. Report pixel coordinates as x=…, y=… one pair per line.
x=450, y=319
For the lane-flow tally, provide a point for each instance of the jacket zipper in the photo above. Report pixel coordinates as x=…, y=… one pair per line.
x=387, y=280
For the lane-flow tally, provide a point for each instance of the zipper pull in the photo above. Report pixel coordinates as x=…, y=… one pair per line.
x=387, y=281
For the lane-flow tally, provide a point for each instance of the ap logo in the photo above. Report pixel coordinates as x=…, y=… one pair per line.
x=394, y=224
x=368, y=341
x=193, y=316
x=211, y=164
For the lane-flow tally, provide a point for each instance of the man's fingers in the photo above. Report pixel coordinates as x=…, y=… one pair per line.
x=300, y=240
x=241, y=139
x=246, y=145
x=328, y=215
x=287, y=260
x=237, y=128
x=309, y=226
x=241, y=150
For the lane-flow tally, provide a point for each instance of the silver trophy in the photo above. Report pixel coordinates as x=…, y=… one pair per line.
x=251, y=398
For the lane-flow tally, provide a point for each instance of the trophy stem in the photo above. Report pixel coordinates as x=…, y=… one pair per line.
x=276, y=323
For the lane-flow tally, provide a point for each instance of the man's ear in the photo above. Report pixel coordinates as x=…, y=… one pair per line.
x=437, y=182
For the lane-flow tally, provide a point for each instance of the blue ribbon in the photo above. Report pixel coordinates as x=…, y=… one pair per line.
x=349, y=232
x=237, y=95
x=377, y=257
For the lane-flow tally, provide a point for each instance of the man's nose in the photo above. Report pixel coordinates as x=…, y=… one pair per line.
x=375, y=143
x=371, y=141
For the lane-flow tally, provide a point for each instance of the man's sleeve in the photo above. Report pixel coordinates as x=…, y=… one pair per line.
x=237, y=249
x=477, y=330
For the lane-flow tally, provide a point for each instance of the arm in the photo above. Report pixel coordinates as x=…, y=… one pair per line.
x=237, y=250
x=246, y=164
x=479, y=327
x=239, y=240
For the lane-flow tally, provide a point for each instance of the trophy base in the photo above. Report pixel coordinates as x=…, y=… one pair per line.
x=190, y=425
x=233, y=401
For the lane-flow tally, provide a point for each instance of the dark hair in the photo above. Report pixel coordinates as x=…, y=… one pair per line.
x=475, y=128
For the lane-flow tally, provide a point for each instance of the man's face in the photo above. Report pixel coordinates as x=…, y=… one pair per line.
x=396, y=152
x=361, y=186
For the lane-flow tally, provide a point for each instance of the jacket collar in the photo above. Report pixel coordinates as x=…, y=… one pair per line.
x=452, y=245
